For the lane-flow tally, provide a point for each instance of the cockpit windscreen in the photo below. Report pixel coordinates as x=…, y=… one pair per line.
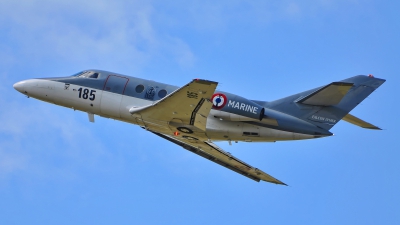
x=87, y=74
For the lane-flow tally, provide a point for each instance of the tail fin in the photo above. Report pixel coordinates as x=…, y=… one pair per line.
x=327, y=105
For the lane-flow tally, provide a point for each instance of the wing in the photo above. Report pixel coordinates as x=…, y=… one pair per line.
x=188, y=105
x=213, y=153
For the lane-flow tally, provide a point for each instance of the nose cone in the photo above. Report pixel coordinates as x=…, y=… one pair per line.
x=20, y=86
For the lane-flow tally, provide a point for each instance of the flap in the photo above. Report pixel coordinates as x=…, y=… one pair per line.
x=200, y=114
x=331, y=94
x=359, y=122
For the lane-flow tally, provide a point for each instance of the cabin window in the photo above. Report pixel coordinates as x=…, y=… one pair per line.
x=139, y=88
x=162, y=93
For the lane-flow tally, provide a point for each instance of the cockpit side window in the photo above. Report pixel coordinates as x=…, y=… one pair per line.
x=95, y=75
x=87, y=74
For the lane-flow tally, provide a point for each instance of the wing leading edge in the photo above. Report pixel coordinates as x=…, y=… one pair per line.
x=215, y=154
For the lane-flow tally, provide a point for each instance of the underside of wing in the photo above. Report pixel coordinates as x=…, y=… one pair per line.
x=215, y=154
x=188, y=105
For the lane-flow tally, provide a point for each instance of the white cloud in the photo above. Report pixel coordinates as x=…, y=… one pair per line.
x=90, y=32
x=181, y=52
x=128, y=34
x=218, y=16
x=48, y=141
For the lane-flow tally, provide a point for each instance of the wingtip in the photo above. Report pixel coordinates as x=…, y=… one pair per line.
x=281, y=183
x=276, y=182
x=373, y=128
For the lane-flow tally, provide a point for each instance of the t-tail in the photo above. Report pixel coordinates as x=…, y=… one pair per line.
x=327, y=105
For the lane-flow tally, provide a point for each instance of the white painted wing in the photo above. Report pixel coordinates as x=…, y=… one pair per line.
x=213, y=153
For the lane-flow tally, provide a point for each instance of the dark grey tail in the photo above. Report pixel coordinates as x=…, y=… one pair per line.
x=327, y=105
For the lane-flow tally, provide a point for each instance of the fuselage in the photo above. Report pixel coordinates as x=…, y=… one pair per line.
x=113, y=95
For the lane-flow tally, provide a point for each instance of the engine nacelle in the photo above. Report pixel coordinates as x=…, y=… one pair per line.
x=235, y=108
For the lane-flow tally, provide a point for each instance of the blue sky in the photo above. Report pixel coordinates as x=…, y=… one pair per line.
x=57, y=168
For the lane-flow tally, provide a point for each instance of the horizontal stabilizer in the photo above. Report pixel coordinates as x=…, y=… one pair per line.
x=359, y=122
x=331, y=94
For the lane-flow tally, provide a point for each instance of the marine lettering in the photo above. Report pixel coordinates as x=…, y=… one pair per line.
x=255, y=109
x=231, y=104
x=243, y=106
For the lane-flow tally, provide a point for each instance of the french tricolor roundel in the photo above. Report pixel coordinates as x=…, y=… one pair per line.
x=219, y=101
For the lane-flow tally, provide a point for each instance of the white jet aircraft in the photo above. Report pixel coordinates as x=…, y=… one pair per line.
x=196, y=115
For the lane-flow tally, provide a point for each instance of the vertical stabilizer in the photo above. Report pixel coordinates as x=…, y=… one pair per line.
x=327, y=105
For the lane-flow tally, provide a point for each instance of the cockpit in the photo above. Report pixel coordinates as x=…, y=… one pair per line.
x=87, y=74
